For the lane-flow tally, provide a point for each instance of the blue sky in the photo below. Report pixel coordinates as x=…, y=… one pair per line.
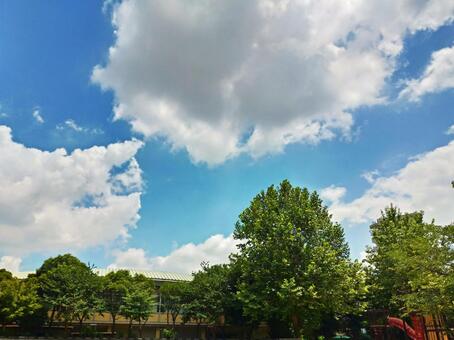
x=192, y=189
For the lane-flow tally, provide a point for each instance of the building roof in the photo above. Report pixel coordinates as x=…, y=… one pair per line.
x=157, y=276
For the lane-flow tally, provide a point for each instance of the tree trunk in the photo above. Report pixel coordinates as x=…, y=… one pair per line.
x=213, y=331
x=66, y=328
x=113, y=324
x=81, y=320
x=174, y=319
x=129, y=328
x=223, y=332
x=52, y=315
x=250, y=331
x=296, y=325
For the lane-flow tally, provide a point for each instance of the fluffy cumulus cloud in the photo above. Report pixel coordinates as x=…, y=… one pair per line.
x=10, y=263
x=219, y=78
x=423, y=184
x=61, y=201
x=333, y=193
x=185, y=259
x=438, y=76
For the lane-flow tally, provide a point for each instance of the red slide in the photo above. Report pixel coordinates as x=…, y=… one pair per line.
x=399, y=323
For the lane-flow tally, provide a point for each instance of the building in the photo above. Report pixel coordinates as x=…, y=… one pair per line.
x=159, y=320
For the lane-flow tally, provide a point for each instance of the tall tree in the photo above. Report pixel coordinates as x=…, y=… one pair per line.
x=69, y=288
x=88, y=300
x=194, y=304
x=208, y=297
x=54, y=279
x=139, y=302
x=18, y=299
x=114, y=288
x=172, y=299
x=411, y=264
x=294, y=260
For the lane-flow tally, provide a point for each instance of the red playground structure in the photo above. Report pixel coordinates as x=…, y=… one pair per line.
x=421, y=327
x=416, y=333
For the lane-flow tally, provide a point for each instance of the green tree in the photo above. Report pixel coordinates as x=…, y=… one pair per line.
x=194, y=304
x=295, y=261
x=87, y=298
x=233, y=310
x=5, y=275
x=54, y=262
x=139, y=302
x=54, y=279
x=69, y=289
x=7, y=294
x=18, y=299
x=411, y=264
x=172, y=299
x=114, y=288
x=208, y=297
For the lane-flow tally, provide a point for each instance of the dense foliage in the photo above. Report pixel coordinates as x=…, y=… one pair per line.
x=138, y=302
x=410, y=265
x=294, y=261
x=292, y=271
x=114, y=287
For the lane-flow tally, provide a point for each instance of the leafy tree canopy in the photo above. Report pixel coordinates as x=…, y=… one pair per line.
x=114, y=288
x=411, y=264
x=18, y=299
x=294, y=260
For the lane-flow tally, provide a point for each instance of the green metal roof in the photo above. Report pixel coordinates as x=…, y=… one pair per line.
x=157, y=276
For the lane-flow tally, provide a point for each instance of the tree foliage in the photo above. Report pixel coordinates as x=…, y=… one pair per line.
x=294, y=260
x=292, y=270
x=69, y=289
x=114, y=288
x=18, y=299
x=411, y=264
x=172, y=299
x=139, y=302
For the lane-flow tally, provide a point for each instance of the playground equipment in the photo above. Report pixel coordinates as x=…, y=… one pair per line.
x=421, y=327
x=416, y=333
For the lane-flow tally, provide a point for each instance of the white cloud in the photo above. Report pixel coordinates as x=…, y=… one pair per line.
x=131, y=258
x=370, y=176
x=60, y=201
x=185, y=259
x=37, y=115
x=450, y=131
x=10, y=263
x=424, y=183
x=219, y=78
x=332, y=193
x=72, y=125
x=438, y=76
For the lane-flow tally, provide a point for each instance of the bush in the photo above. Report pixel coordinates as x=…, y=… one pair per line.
x=168, y=333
